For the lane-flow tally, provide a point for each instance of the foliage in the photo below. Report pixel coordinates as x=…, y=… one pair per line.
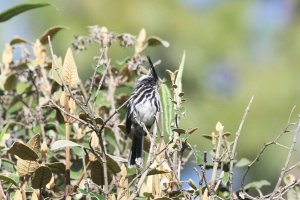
x=44, y=102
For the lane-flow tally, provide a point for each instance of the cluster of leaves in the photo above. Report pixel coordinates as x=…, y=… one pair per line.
x=44, y=103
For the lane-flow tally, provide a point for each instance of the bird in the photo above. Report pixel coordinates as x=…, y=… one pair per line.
x=142, y=108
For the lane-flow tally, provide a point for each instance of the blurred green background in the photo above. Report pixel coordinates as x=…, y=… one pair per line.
x=234, y=49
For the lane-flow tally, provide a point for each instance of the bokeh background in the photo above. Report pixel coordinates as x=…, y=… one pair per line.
x=234, y=49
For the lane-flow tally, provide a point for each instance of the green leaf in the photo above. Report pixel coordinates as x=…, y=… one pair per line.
x=23, y=151
x=8, y=165
x=92, y=194
x=243, y=162
x=57, y=167
x=156, y=171
x=42, y=177
x=10, y=82
x=3, y=131
x=257, y=184
x=162, y=198
x=51, y=32
x=179, y=130
x=148, y=194
x=123, y=61
x=178, y=80
x=167, y=108
x=97, y=175
x=293, y=194
x=184, y=136
x=60, y=144
x=191, y=130
x=22, y=87
x=101, y=99
x=18, y=9
x=34, y=143
x=198, y=155
x=141, y=198
x=209, y=137
x=6, y=179
x=57, y=61
x=154, y=40
x=18, y=40
x=101, y=69
x=112, y=165
x=225, y=178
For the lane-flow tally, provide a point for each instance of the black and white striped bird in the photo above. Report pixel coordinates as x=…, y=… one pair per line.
x=142, y=109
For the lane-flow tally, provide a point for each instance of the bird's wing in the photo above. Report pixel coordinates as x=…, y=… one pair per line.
x=128, y=118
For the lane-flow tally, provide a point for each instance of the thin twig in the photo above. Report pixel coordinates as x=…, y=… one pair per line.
x=266, y=145
x=287, y=161
x=93, y=79
x=100, y=83
x=67, y=113
x=233, y=152
x=216, y=159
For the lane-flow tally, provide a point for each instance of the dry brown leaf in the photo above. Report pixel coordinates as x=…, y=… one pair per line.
x=205, y=195
x=111, y=197
x=18, y=195
x=34, y=143
x=219, y=127
x=51, y=184
x=69, y=70
x=26, y=167
x=34, y=196
x=7, y=56
x=92, y=157
x=62, y=99
x=44, y=149
x=123, y=183
x=94, y=141
x=157, y=190
x=39, y=52
x=139, y=45
x=72, y=106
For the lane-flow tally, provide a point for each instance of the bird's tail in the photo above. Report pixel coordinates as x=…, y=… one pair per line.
x=136, y=154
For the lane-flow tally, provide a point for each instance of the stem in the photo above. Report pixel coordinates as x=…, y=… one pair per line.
x=285, y=168
x=232, y=154
x=216, y=159
x=67, y=127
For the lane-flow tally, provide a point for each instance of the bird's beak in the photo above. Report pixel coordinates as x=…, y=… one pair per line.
x=153, y=72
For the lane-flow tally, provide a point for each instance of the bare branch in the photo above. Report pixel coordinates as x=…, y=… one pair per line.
x=233, y=151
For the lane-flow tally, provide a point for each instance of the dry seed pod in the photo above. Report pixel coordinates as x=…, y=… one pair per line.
x=44, y=149
x=94, y=141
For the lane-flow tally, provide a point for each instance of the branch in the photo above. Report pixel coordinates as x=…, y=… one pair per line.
x=287, y=161
x=233, y=152
x=266, y=145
